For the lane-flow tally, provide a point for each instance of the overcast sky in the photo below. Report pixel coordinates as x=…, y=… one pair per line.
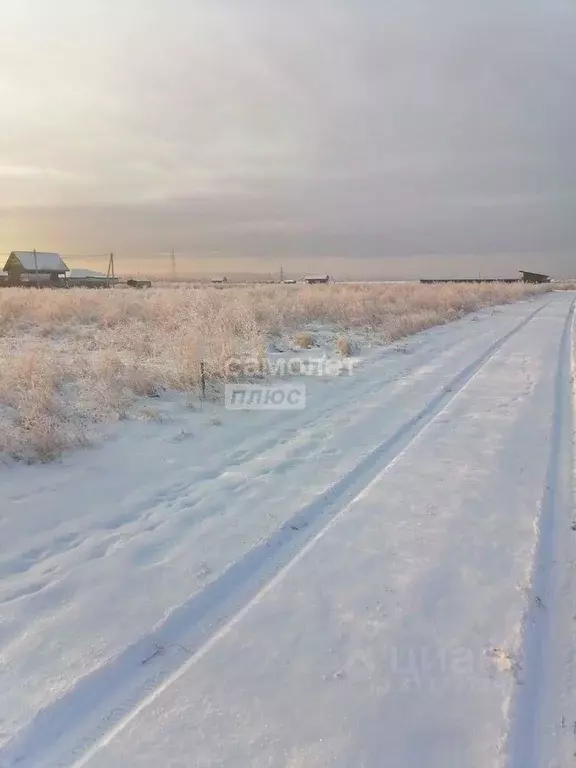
x=384, y=137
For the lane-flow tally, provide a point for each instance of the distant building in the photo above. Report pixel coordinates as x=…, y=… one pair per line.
x=471, y=280
x=88, y=278
x=534, y=277
x=219, y=280
x=29, y=268
x=316, y=279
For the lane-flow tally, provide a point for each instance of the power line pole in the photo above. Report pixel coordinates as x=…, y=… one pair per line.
x=36, y=268
x=281, y=273
x=110, y=274
x=173, y=261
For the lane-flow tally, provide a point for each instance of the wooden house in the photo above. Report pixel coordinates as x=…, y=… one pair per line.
x=35, y=268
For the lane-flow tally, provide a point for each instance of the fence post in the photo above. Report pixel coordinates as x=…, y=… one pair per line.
x=203, y=379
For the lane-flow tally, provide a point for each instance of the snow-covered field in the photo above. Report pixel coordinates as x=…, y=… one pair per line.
x=385, y=578
x=72, y=362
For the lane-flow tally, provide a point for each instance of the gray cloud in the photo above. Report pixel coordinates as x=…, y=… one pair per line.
x=362, y=130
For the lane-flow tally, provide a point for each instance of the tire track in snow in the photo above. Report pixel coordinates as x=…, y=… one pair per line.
x=104, y=702
x=536, y=719
x=249, y=449
x=138, y=513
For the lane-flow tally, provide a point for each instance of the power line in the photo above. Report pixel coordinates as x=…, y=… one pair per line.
x=74, y=255
x=85, y=255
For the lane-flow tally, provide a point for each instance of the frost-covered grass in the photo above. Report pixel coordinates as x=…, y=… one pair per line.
x=564, y=285
x=70, y=359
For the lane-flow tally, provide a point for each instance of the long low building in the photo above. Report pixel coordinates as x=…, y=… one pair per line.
x=526, y=277
x=472, y=280
x=88, y=278
x=317, y=279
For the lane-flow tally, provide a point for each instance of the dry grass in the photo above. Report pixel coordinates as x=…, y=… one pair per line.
x=304, y=340
x=344, y=346
x=74, y=358
x=564, y=285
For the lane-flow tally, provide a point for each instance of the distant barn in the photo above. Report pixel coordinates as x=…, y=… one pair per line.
x=316, y=279
x=31, y=268
x=88, y=278
x=534, y=277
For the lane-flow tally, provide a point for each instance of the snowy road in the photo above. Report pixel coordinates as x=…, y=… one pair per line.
x=384, y=579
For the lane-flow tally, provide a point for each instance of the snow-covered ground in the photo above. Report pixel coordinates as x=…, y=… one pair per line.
x=385, y=578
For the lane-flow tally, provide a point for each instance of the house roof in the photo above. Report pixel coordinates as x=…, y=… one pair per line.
x=527, y=272
x=317, y=277
x=47, y=262
x=85, y=274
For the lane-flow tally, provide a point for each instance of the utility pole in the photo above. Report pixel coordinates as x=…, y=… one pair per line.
x=173, y=262
x=281, y=273
x=110, y=274
x=36, y=268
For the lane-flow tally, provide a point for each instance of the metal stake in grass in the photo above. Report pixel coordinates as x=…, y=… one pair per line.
x=202, y=379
